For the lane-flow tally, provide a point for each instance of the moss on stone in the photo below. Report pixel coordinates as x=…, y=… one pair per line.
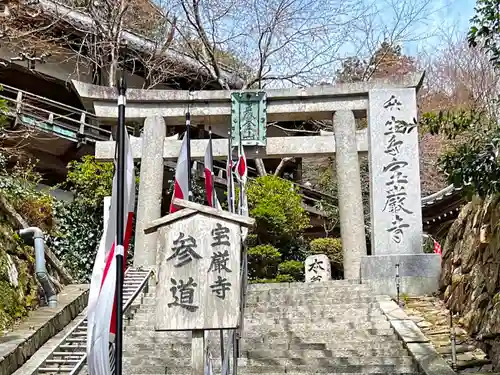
x=15, y=301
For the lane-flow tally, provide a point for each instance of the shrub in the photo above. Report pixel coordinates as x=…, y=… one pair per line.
x=263, y=261
x=285, y=279
x=278, y=279
x=332, y=248
x=90, y=180
x=80, y=222
x=276, y=206
x=263, y=281
x=19, y=186
x=292, y=268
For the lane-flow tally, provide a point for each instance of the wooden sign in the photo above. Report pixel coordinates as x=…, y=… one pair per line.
x=199, y=281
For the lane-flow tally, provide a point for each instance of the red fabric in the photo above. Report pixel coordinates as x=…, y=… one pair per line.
x=242, y=166
x=209, y=187
x=126, y=241
x=437, y=248
x=177, y=194
x=181, y=188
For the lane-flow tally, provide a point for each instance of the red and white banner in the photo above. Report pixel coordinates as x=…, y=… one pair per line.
x=101, y=309
x=230, y=184
x=181, y=183
x=209, y=177
x=242, y=175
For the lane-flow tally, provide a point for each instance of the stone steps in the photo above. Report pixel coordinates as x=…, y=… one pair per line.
x=17, y=346
x=326, y=309
x=403, y=361
x=362, y=347
x=297, y=328
x=262, y=311
x=338, y=295
x=305, y=286
x=351, y=334
x=312, y=314
x=184, y=350
x=267, y=369
x=303, y=324
x=338, y=307
x=293, y=324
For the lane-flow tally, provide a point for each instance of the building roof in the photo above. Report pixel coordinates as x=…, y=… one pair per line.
x=81, y=23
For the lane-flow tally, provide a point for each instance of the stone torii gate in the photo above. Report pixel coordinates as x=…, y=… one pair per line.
x=392, y=149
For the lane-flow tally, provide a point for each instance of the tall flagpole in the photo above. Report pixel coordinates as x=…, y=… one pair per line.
x=120, y=230
x=188, y=140
x=240, y=180
x=236, y=341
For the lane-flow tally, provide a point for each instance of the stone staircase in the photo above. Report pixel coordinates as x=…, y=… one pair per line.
x=332, y=327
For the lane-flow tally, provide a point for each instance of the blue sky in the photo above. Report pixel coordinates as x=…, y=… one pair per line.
x=433, y=24
x=448, y=15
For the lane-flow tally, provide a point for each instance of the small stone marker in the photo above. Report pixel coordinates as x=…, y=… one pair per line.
x=199, y=281
x=318, y=268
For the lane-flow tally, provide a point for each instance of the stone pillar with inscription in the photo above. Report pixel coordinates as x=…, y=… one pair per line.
x=150, y=189
x=317, y=268
x=352, y=225
x=396, y=213
x=199, y=281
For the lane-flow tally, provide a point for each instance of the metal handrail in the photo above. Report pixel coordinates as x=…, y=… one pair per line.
x=47, y=111
x=54, y=121
x=138, y=290
x=125, y=308
x=147, y=274
x=42, y=99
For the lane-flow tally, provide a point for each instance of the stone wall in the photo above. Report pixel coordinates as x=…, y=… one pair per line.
x=471, y=272
x=20, y=290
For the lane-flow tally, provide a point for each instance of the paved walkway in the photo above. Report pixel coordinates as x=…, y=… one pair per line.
x=433, y=318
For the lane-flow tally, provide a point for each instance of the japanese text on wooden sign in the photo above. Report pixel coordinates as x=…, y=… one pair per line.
x=198, y=281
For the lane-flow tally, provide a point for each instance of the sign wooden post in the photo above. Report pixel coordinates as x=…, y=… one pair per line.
x=199, y=284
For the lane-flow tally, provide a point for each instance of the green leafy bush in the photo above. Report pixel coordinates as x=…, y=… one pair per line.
x=90, y=180
x=285, y=279
x=80, y=222
x=332, y=248
x=292, y=268
x=472, y=160
x=19, y=187
x=486, y=28
x=263, y=261
x=79, y=230
x=276, y=206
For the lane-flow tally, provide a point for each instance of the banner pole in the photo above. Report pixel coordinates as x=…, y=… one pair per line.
x=120, y=225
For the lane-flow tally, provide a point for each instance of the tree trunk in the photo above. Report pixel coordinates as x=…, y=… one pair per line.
x=281, y=166
x=261, y=168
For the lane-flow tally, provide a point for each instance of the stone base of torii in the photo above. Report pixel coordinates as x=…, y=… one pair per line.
x=391, y=141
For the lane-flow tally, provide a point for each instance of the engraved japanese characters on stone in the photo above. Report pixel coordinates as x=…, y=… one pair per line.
x=397, y=179
x=184, y=250
x=317, y=268
x=316, y=265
